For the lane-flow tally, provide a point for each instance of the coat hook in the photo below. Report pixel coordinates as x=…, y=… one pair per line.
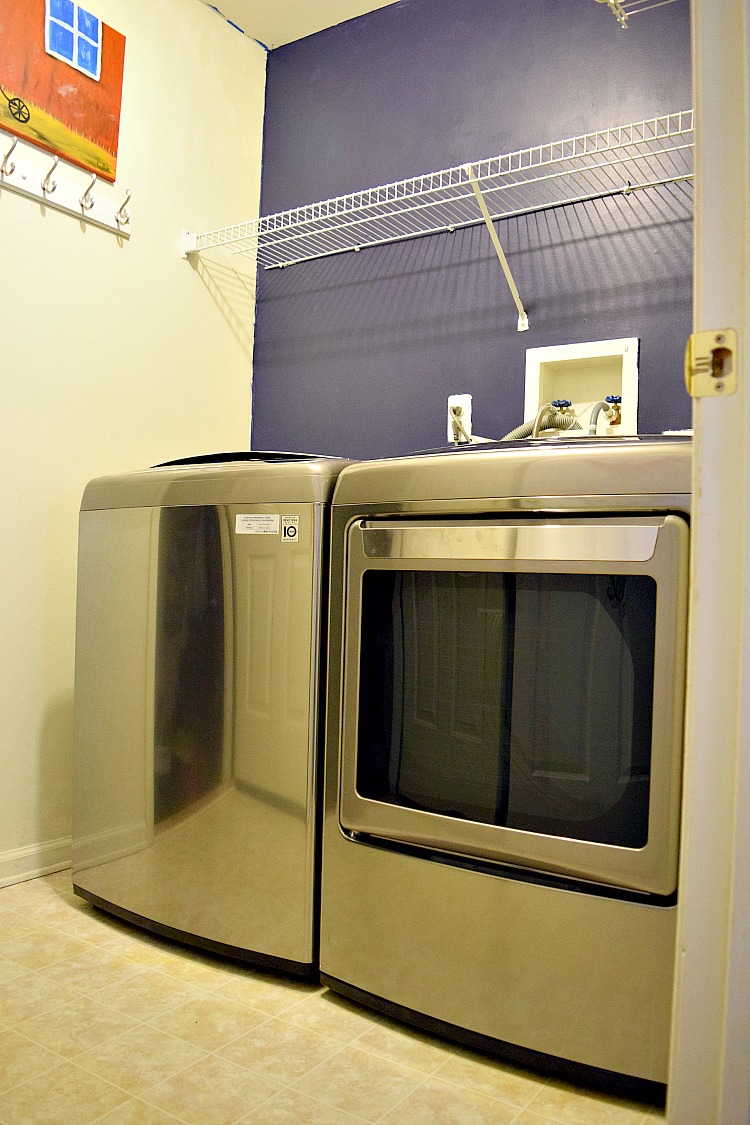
x=87, y=199
x=7, y=169
x=48, y=184
x=122, y=216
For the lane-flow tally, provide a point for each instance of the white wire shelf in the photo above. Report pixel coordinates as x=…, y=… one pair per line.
x=615, y=161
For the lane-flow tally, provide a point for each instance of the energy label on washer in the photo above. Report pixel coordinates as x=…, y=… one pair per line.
x=289, y=529
x=253, y=523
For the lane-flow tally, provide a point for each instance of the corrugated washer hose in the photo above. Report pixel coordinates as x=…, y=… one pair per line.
x=548, y=417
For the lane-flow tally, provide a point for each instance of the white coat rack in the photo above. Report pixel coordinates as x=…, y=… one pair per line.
x=611, y=162
x=29, y=171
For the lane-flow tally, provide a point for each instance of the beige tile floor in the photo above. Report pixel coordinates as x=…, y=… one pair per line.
x=102, y=1022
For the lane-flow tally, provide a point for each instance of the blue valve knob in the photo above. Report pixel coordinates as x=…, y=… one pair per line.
x=559, y=403
x=613, y=399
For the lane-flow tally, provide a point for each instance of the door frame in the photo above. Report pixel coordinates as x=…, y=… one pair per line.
x=708, y=1078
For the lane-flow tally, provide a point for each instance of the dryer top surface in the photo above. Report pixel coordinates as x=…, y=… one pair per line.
x=545, y=467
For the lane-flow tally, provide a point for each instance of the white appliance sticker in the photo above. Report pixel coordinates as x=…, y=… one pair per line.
x=250, y=523
x=289, y=529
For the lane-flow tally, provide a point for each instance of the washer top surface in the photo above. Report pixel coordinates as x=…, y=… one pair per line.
x=255, y=477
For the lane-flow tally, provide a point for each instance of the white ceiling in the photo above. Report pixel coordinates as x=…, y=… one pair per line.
x=275, y=22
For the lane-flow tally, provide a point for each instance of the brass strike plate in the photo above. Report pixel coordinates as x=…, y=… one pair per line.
x=711, y=363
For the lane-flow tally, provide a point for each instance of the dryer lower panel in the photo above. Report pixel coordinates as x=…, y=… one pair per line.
x=573, y=975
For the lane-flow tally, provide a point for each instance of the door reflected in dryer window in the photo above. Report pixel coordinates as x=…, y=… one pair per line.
x=189, y=673
x=518, y=700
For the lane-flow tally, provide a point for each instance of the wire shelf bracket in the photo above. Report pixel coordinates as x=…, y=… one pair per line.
x=624, y=9
x=523, y=320
x=611, y=162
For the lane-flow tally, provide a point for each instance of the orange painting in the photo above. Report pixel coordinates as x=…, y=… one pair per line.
x=61, y=81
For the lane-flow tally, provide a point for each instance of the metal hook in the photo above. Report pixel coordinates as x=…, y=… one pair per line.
x=48, y=184
x=7, y=169
x=122, y=216
x=87, y=200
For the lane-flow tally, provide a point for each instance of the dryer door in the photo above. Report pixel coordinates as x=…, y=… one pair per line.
x=513, y=691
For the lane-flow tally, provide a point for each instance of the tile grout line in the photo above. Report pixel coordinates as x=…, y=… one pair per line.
x=71, y=1062
x=185, y=953
x=202, y=993
x=341, y=1046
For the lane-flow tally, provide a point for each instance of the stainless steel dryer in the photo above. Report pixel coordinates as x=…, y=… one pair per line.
x=199, y=626
x=504, y=745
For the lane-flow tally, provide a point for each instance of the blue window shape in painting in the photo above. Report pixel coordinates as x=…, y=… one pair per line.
x=74, y=36
x=88, y=25
x=61, y=42
x=88, y=57
x=62, y=10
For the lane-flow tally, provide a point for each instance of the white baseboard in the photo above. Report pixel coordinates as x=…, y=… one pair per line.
x=38, y=859
x=104, y=847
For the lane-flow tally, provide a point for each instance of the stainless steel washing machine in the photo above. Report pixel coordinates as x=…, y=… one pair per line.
x=200, y=621
x=504, y=745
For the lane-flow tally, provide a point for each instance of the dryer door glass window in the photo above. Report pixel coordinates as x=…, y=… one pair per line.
x=518, y=700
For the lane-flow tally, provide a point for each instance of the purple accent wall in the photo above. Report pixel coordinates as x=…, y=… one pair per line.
x=357, y=354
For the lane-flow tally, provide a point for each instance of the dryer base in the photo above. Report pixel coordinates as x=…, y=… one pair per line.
x=608, y=1081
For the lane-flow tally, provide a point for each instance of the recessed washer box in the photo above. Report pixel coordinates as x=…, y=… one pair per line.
x=585, y=373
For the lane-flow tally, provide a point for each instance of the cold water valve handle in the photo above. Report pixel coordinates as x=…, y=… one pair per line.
x=561, y=403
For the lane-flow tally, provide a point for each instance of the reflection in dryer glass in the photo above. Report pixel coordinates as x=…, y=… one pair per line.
x=519, y=700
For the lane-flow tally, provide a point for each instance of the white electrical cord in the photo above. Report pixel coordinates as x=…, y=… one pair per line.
x=459, y=432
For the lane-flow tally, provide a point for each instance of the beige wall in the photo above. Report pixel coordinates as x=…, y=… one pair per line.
x=114, y=355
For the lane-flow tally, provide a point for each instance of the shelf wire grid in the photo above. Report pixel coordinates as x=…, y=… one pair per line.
x=615, y=161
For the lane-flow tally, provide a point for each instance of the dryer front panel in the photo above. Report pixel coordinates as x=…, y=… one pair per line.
x=513, y=691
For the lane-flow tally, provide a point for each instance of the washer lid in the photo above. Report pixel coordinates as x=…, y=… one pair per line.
x=244, y=478
x=268, y=456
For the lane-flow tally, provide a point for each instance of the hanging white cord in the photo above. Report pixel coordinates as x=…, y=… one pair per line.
x=523, y=320
x=458, y=426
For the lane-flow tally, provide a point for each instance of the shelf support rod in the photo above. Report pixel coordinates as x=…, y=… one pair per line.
x=523, y=320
